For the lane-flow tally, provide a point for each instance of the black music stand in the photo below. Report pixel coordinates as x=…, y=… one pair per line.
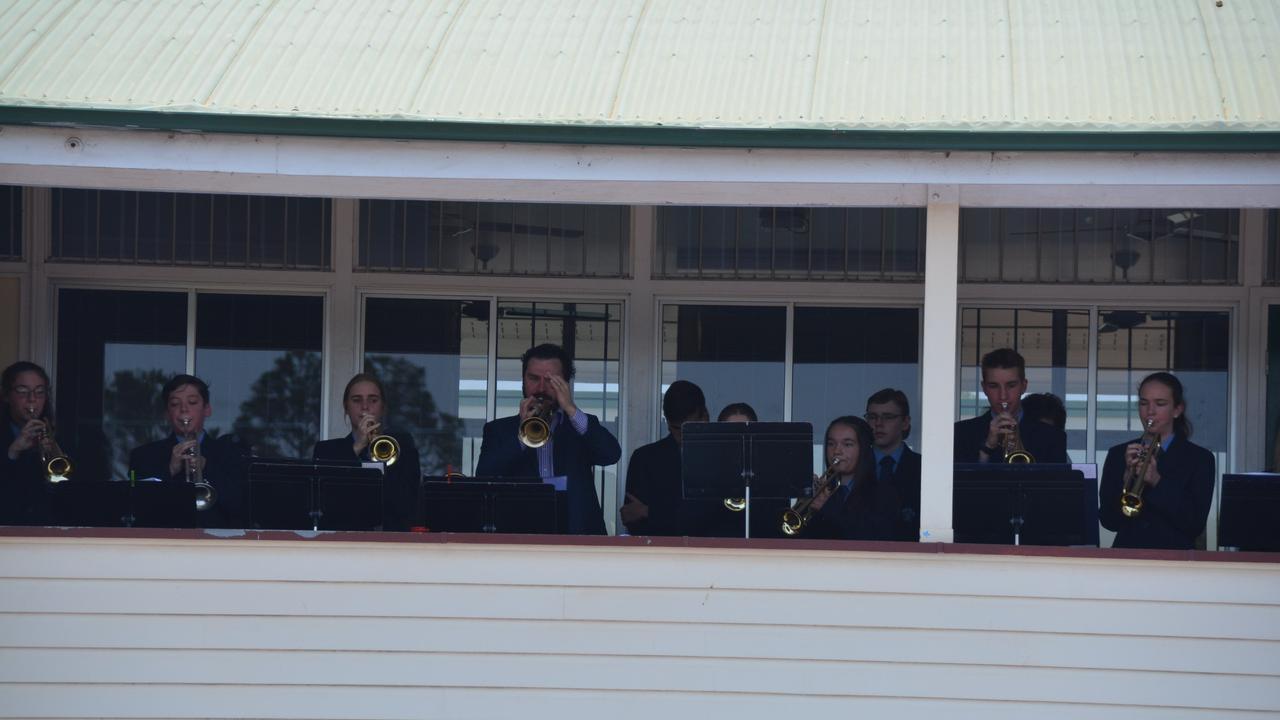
x=289, y=494
x=1248, y=510
x=761, y=460
x=1032, y=504
x=491, y=504
x=123, y=504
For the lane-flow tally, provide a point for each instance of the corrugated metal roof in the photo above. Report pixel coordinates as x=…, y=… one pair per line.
x=919, y=65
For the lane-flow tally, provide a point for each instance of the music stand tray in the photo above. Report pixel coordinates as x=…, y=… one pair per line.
x=1248, y=510
x=289, y=494
x=123, y=504
x=1033, y=504
x=720, y=460
x=490, y=504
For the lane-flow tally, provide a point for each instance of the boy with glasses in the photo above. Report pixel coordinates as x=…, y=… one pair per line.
x=898, y=466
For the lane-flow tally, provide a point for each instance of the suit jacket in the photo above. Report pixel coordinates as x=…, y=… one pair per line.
x=400, y=482
x=225, y=467
x=1046, y=444
x=906, y=483
x=1173, y=512
x=573, y=455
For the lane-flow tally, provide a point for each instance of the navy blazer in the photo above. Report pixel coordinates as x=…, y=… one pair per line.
x=1046, y=443
x=906, y=483
x=573, y=455
x=400, y=482
x=876, y=518
x=23, y=500
x=1173, y=512
x=224, y=469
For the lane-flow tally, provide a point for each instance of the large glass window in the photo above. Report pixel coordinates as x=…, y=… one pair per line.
x=432, y=357
x=1273, y=388
x=116, y=349
x=1055, y=345
x=1272, y=274
x=122, y=226
x=791, y=243
x=494, y=238
x=10, y=222
x=843, y=355
x=1050, y=245
x=1192, y=345
x=735, y=353
x=260, y=355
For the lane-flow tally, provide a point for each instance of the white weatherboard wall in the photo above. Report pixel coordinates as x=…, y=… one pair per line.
x=241, y=628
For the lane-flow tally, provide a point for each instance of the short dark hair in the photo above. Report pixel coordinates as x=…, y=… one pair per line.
x=1045, y=406
x=892, y=395
x=738, y=408
x=548, y=351
x=10, y=377
x=682, y=401
x=896, y=397
x=178, y=381
x=1004, y=358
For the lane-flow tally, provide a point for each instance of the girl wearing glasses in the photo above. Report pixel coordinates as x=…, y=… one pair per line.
x=28, y=419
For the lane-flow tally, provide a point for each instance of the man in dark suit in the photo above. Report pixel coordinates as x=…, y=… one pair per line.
x=897, y=466
x=220, y=460
x=979, y=440
x=578, y=442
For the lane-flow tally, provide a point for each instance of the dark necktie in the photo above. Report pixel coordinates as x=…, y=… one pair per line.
x=886, y=470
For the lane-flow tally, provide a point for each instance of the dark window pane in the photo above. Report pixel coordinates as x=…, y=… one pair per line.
x=856, y=352
x=1100, y=245
x=116, y=349
x=791, y=242
x=10, y=222
x=494, y=238
x=734, y=353
x=432, y=358
x=260, y=355
x=165, y=228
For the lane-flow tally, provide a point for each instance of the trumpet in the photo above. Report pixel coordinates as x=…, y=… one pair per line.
x=1011, y=443
x=382, y=447
x=1134, y=482
x=206, y=494
x=794, y=519
x=535, y=430
x=57, y=466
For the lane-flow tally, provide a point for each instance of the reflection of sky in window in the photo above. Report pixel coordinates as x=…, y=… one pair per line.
x=140, y=358
x=230, y=375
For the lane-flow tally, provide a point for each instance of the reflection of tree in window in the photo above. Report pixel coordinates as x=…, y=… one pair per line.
x=281, y=416
x=410, y=408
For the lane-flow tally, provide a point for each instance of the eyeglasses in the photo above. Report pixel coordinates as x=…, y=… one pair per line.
x=35, y=392
x=877, y=417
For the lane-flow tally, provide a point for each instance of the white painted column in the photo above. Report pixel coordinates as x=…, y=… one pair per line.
x=640, y=357
x=342, y=320
x=938, y=366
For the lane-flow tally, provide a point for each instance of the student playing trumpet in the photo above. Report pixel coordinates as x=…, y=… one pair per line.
x=364, y=402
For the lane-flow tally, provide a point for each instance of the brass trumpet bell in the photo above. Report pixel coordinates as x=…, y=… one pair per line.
x=384, y=449
x=58, y=469
x=794, y=519
x=534, y=430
